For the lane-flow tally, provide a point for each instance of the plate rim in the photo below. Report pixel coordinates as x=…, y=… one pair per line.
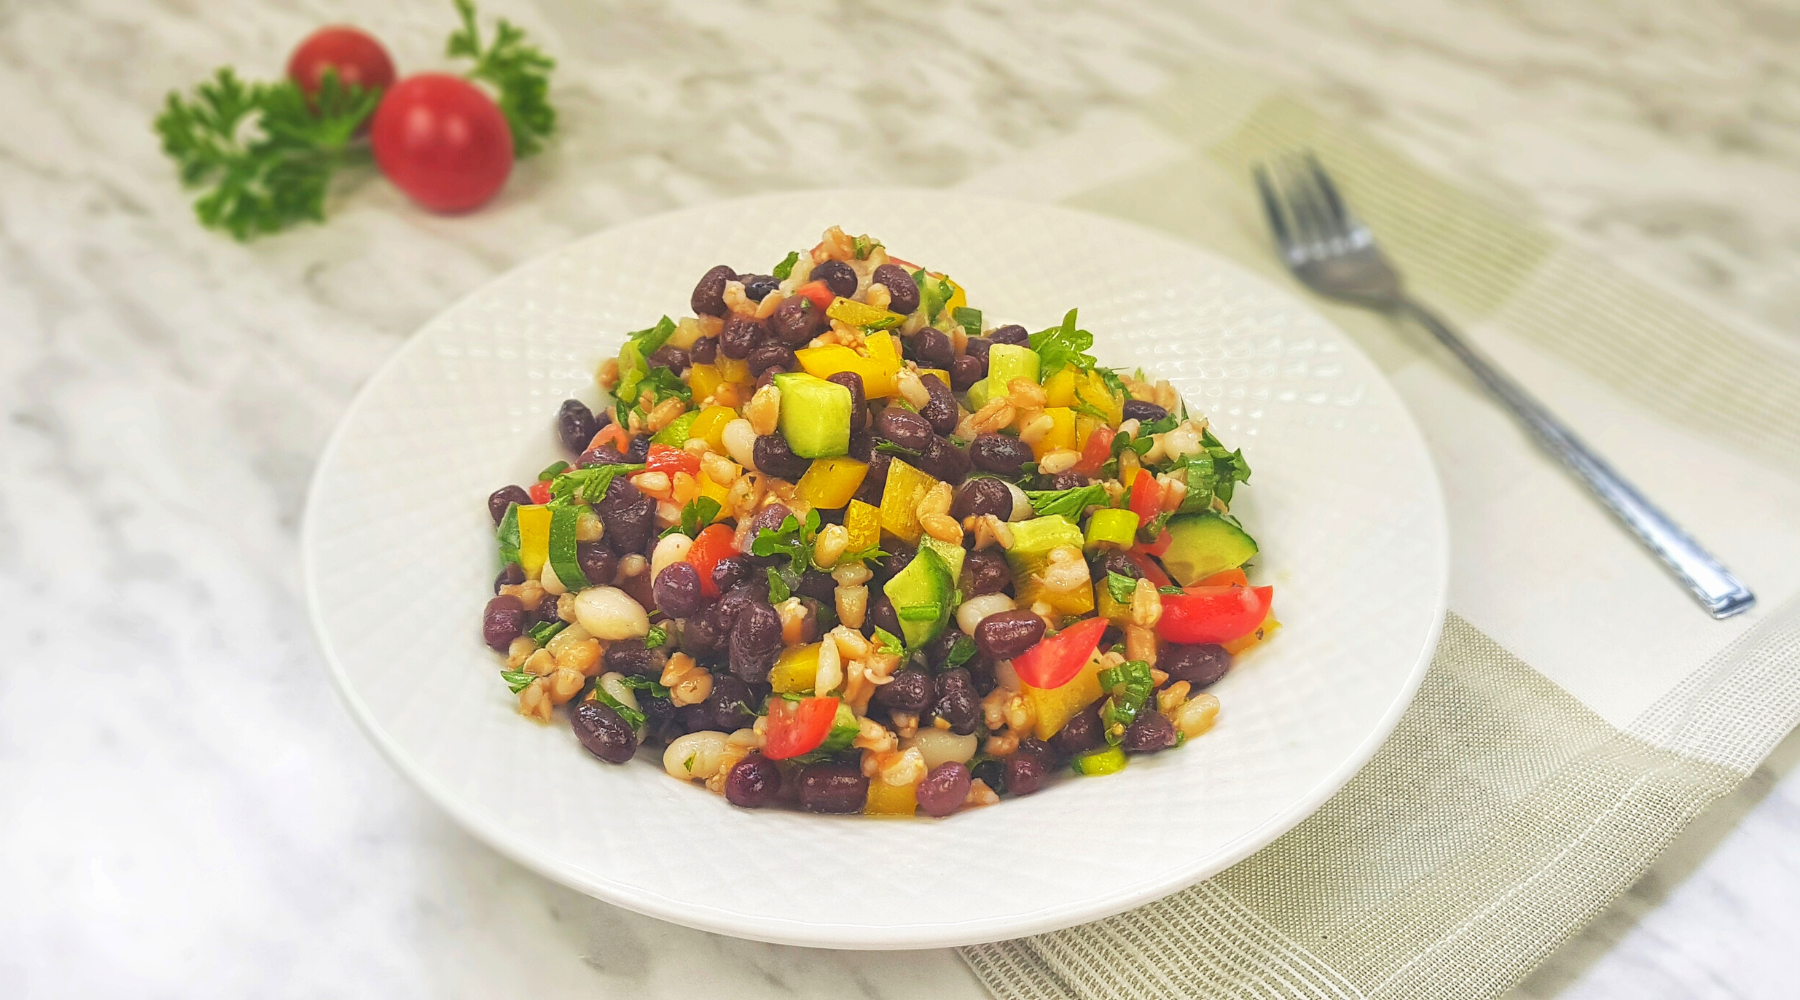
x=785, y=931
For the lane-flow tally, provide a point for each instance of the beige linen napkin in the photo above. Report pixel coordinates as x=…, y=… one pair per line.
x=1580, y=710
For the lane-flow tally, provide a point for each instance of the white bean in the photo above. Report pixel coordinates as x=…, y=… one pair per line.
x=740, y=442
x=566, y=638
x=1021, y=504
x=975, y=609
x=670, y=550
x=613, y=683
x=694, y=756
x=940, y=745
x=609, y=613
x=547, y=579
x=1005, y=676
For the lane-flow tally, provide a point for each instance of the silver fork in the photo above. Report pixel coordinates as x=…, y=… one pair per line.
x=1335, y=254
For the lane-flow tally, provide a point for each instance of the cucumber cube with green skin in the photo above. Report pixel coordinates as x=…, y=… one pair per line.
x=978, y=395
x=815, y=415
x=563, y=559
x=1203, y=544
x=921, y=594
x=676, y=434
x=953, y=554
x=1033, y=539
x=1010, y=361
x=1108, y=761
x=1111, y=528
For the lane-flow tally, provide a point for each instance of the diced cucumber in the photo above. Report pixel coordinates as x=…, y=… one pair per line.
x=953, y=554
x=563, y=559
x=1111, y=528
x=676, y=434
x=978, y=395
x=508, y=535
x=1203, y=544
x=921, y=596
x=1010, y=361
x=815, y=415
x=1108, y=761
x=1033, y=538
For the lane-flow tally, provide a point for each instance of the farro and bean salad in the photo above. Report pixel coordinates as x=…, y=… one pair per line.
x=842, y=544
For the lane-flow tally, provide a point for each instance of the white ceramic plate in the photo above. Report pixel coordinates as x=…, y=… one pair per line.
x=399, y=560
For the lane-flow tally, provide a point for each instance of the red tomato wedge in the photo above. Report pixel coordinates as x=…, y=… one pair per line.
x=669, y=461
x=540, y=492
x=820, y=295
x=1056, y=660
x=1148, y=566
x=1161, y=545
x=714, y=543
x=1098, y=450
x=1213, y=614
x=1146, y=497
x=1226, y=579
x=796, y=727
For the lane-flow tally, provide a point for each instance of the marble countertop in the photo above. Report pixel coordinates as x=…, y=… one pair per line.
x=185, y=809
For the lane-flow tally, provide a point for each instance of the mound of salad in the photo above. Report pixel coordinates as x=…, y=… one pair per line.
x=840, y=543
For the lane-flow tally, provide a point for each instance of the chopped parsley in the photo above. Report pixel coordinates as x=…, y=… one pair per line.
x=889, y=643
x=1121, y=587
x=960, y=653
x=793, y=540
x=543, y=632
x=1063, y=346
x=778, y=588
x=1069, y=503
x=656, y=637
x=1128, y=687
x=587, y=486
x=645, y=684
x=785, y=269
x=517, y=680
x=695, y=516
x=633, y=717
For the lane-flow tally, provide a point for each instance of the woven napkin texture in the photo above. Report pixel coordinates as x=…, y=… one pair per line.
x=1504, y=813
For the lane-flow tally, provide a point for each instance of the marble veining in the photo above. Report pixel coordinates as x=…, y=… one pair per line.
x=185, y=810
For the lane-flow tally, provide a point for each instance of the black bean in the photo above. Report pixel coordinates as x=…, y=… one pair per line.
x=903, y=427
x=767, y=377
x=981, y=672
x=726, y=709
x=957, y=703
x=931, y=348
x=944, y=789
x=677, y=590
x=511, y=576
x=773, y=456
x=505, y=497
x=671, y=357
x=771, y=357
x=1007, y=634
x=967, y=371
x=910, y=691
x=903, y=294
x=768, y=517
x=943, y=460
x=575, y=425
x=709, y=295
x=628, y=515
x=632, y=657
x=1024, y=774
x=705, y=351
x=597, y=562
x=984, y=572
x=1031, y=746
x=731, y=571
x=1000, y=454
x=984, y=495
x=937, y=651
x=875, y=479
x=755, y=642
x=638, y=450
x=752, y=782
x=703, y=634
x=662, y=722
x=862, y=447
x=830, y=787
x=1151, y=732
x=859, y=403
x=1117, y=562
x=796, y=320
x=882, y=615
x=753, y=589
x=1200, y=665
x=978, y=347
x=545, y=612
x=742, y=334
x=604, y=454
x=502, y=621
x=837, y=276
x=940, y=412
x=758, y=286
x=818, y=585
x=1067, y=479
x=1010, y=334
x=992, y=772
x=1081, y=733
x=899, y=556
x=1143, y=411
x=602, y=732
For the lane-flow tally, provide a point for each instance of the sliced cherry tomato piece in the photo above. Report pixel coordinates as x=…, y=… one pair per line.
x=1161, y=545
x=1213, y=614
x=1226, y=579
x=1146, y=497
x=1098, y=450
x=1148, y=566
x=1055, y=660
x=540, y=492
x=669, y=461
x=797, y=727
x=714, y=543
x=817, y=291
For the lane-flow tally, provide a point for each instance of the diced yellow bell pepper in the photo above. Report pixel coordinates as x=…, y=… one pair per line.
x=734, y=369
x=1056, y=706
x=704, y=380
x=719, y=494
x=906, y=486
x=796, y=670
x=824, y=362
x=890, y=800
x=1095, y=393
x=1060, y=388
x=1111, y=528
x=1069, y=603
x=534, y=539
x=687, y=333
x=886, y=353
x=831, y=482
x=1109, y=609
x=1085, y=426
x=958, y=298
x=709, y=426
x=1263, y=631
x=863, y=521
x=1062, y=431
x=852, y=313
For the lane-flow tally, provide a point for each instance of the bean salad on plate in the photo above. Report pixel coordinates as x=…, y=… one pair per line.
x=840, y=543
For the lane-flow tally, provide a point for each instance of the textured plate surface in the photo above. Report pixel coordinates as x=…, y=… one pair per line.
x=399, y=560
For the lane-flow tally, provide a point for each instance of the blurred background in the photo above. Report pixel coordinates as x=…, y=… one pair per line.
x=185, y=809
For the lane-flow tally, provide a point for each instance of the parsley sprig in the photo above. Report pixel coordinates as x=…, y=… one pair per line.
x=1069, y=503
x=1062, y=346
x=520, y=73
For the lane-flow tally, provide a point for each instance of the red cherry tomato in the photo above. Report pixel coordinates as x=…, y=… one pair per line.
x=1098, y=450
x=715, y=542
x=540, y=492
x=820, y=295
x=358, y=58
x=1214, y=614
x=1161, y=545
x=443, y=141
x=1226, y=579
x=1146, y=497
x=1055, y=661
x=796, y=727
x=669, y=461
x=1148, y=566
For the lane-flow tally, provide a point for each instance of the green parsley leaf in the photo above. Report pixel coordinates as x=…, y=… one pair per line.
x=793, y=540
x=695, y=516
x=1062, y=346
x=588, y=486
x=890, y=448
x=785, y=269
x=517, y=680
x=863, y=246
x=1170, y=590
x=934, y=293
x=1069, y=503
x=968, y=319
x=889, y=643
x=633, y=717
x=542, y=632
x=645, y=684
x=778, y=588
x=1114, y=383
x=656, y=637
x=1120, y=586
x=519, y=72
x=1086, y=408
x=1128, y=685
x=1229, y=467
x=962, y=652
x=864, y=555
x=1161, y=425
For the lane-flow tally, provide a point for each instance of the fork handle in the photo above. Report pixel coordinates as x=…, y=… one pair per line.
x=1722, y=593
